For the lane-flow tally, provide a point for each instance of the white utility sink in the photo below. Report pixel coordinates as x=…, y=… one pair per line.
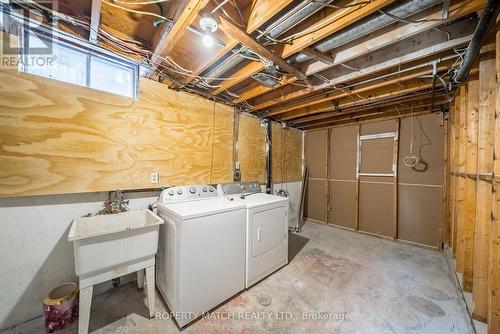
x=109, y=246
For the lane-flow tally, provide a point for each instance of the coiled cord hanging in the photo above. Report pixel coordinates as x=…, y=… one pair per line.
x=411, y=160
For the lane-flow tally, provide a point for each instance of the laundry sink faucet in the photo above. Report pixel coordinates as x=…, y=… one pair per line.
x=115, y=203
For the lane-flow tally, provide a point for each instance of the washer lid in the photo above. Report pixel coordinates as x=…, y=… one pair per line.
x=257, y=199
x=201, y=208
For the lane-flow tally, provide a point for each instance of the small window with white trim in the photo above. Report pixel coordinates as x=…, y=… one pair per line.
x=80, y=66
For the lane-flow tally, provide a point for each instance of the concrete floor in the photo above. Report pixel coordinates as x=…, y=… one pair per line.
x=381, y=285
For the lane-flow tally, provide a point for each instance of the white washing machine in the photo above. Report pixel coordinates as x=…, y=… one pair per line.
x=201, y=255
x=266, y=228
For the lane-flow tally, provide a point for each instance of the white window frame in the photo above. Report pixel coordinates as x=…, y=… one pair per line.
x=85, y=48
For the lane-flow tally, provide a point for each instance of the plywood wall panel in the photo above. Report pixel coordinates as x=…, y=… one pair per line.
x=315, y=148
x=286, y=154
x=343, y=203
x=419, y=214
x=376, y=205
x=61, y=138
x=427, y=143
x=315, y=206
x=251, y=149
x=343, y=155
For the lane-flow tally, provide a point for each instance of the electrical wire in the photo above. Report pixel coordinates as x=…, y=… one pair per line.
x=340, y=6
x=133, y=3
x=137, y=11
x=106, y=37
x=311, y=30
x=397, y=18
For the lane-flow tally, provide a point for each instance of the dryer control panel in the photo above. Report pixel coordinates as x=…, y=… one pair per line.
x=238, y=188
x=185, y=193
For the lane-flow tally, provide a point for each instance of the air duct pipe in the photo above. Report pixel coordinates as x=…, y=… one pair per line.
x=486, y=22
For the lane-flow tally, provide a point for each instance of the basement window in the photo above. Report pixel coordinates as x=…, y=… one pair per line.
x=78, y=65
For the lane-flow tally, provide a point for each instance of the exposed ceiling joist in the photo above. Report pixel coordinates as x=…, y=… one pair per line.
x=379, y=114
x=384, y=65
x=262, y=11
x=300, y=105
x=95, y=18
x=238, y=34
x=326, y=59
x=323, y=110
x=431, y=17
x=171, y=37
x=412, y=100
x=318, y=30
x=256, y=19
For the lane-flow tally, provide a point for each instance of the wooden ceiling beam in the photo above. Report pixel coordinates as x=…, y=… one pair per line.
x=349, y=91
x=320, y=29
x=321, y=111
x=326, y=59
x=240, y=35
x=95, y=18
x=379, y=114
x=170, y=38
x=257, y=18
x=373, y=69
x=262, y=11
x=399, y=33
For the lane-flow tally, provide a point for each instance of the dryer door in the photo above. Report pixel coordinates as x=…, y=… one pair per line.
x=268, y=229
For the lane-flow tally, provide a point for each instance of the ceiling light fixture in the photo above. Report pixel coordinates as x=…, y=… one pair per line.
x=209, y=26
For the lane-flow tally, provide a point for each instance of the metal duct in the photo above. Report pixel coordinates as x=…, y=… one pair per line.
x=368, y=25
x=293, y=17
x=490, y=13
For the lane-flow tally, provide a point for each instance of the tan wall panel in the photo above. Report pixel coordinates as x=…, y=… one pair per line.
x=419, y=214
x=343, y=203
x=315, y=206
x=343, y=156
x=251, y=149
x=60, y=138
x=377, y=127
x=376, y=205
x=315, y=153
x=377, y=155
x=428, y=144
x=286, y=154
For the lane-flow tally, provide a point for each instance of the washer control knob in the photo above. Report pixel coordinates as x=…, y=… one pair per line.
x=204, y=189
x=192, y=190
x=171, y=192
x=179, y=191
x=211, y=189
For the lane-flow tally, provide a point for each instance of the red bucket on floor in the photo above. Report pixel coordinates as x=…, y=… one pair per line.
x=60, y=307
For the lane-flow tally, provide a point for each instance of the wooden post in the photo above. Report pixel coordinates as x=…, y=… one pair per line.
x=357, y=176
x=470, y=181
x=395, y=159
x=461, y=198
x=446, y=181
x=494, y=275
x=451, y=171
x=327, y=189
x=486, y=137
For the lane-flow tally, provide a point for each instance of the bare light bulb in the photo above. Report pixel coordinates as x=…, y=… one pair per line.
x=208, y=40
